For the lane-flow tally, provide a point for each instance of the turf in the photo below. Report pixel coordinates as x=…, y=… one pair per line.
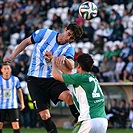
x=41, y=130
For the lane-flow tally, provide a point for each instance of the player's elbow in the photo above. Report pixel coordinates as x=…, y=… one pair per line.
x=57, y=77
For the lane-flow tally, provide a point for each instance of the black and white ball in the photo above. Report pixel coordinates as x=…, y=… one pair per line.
x=88, y=10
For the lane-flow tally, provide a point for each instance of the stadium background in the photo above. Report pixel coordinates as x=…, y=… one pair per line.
x=113, y=27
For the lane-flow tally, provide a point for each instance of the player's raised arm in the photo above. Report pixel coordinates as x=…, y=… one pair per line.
x=65, y=64
x=19, y=49
x=55, y=71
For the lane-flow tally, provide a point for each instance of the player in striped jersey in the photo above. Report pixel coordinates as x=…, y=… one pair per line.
x=9, y=86
x=87, y=94
x=41, y=84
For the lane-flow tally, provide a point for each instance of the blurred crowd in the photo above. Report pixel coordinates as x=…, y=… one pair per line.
x=108, y=38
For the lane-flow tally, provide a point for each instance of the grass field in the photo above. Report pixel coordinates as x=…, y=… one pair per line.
x=40, y=130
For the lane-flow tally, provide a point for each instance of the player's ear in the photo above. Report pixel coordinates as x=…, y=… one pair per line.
x=65, y=29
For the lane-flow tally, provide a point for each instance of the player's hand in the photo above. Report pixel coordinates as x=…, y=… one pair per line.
x=22, y=107
x=7, y=59
x=60, y=60
x=48, y=56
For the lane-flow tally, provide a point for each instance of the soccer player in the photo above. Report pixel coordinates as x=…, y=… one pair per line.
x=87, y=94
x=9, y=87
x=41, y=84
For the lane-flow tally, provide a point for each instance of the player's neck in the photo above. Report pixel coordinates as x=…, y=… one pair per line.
x=6, y=76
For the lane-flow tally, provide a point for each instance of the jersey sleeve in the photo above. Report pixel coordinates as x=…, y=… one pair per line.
x=18, y=83
x=38, y=35
x=70, y=53
x=74, y=79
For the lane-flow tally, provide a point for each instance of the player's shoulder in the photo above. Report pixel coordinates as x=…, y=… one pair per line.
x=14, y=77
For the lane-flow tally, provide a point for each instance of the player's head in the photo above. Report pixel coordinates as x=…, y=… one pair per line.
x=6, y=69
x=72, y=32
x=76, y=30
x=85, y=61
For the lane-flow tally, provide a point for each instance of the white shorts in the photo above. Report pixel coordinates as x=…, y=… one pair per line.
x=96, y=125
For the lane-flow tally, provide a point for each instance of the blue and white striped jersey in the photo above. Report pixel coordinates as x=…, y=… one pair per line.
x=8, y=92
x=46, y=40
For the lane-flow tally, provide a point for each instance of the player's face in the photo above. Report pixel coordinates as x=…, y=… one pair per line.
x=78, y=68
x=6, y=70
x=68, y=36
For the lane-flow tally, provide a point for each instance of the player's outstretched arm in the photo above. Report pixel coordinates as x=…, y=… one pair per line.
x=19, y=49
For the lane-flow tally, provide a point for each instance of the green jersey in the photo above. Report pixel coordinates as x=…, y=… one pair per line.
x=87, y=94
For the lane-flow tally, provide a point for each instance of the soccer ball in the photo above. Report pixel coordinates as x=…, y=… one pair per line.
x=88, y=10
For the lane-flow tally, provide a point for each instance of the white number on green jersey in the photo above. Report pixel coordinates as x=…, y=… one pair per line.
x=96, y=88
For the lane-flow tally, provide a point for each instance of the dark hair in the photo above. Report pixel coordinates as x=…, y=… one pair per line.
x=86, y=62
x=76, y=29
x=6, y=63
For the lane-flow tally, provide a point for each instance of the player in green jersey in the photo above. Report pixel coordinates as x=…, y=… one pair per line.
x=87, y=94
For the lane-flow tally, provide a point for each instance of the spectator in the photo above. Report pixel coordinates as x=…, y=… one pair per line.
x=118, y=69
x=127, y=39
x=113, y=114
x=131, y=113
x=118, y=30
x=6, y=35
x=78, y=53
x=88, y=32
x=125, y=52
x=1, y=56
x=22, y=33
x=24, y=57
x=107, y=31
x=104, y=16
x=23, y=69
x=43, y=9
x=29, y=7
x=107, y=52
x=37, y=20
x=116, y=52
x=106, y=70
x=75, y=7
x=29, y=20
x=36, y=6
x=113, y=17
x=123, y=114
x=128, y=69
x=98, y=43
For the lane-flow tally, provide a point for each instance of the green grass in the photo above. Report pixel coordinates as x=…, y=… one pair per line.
x=41, y=130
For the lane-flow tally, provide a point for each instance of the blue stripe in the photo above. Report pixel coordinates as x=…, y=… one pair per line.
x=55, y=47
x=7, y=87
x=7, y=103
x=7, y=84
x=33, y=64
x=13, y=87
x=49, y=72
x=1, y=92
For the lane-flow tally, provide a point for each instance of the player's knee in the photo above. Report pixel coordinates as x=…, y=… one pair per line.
x=68, y=99
x=15, y=125
x=45, y=114
x=1, y=125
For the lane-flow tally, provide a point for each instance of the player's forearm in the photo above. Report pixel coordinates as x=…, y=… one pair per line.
x=69, y=63
x=56, y=73
x=20, y=95
x=21, y=47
